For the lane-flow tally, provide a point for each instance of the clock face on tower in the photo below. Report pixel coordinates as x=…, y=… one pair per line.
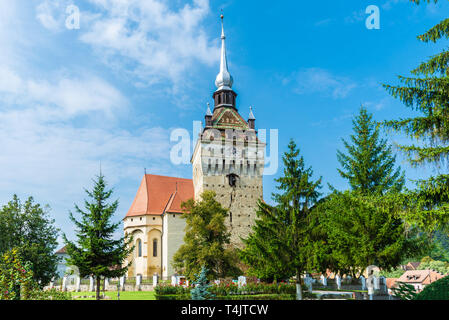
x=232, y=152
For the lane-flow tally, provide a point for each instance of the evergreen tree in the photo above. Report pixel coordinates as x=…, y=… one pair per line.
x=201, y=290
x=265, y=253
x=366, y=229
x=206, y=240
x=369, y=164
x=96, y=252
x=283, y=232
x=28, y=228
x=426, y=92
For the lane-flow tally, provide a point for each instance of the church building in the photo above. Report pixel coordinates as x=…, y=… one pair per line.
x=228, y=158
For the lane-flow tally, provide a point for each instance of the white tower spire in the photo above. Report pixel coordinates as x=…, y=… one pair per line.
x=224, y=79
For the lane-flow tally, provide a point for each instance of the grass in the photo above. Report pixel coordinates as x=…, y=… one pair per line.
x=124, y=295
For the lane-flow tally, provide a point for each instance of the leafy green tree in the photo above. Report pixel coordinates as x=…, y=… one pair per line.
x=369, y=163
x=426, y=93
x=96, y=252
x=429, y=263
x=28, y=228
x=366, y=230
x=404, y=291
x=202, y=285
x=282, y=232
x=206, y=240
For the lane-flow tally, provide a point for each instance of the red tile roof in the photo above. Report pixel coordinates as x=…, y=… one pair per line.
x=63, y=250
x=420, y=276
x=159, y=194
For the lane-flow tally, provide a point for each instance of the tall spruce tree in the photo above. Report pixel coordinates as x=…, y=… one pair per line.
x=282, y=232
x=96, y=252
x=369, y=163
x=363, y=226
x=426, y=92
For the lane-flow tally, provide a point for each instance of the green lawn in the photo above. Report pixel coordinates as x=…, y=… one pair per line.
x=124, y=295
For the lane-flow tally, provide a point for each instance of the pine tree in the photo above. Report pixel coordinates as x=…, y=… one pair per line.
x=202, y=285
x=369, y=164
x=97, y=253
x=426, y=92
x=206, y=240
x=283, y=231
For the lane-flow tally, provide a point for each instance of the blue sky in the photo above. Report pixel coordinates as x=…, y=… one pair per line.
x=113, y=90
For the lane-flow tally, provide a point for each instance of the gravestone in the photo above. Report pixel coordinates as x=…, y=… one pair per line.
x=174, y=280
x=370, y=286
x=91, y=284
x=324, y=280
x=78, y=284
x=383, y=282
x=64, y=283
x=155, y=279
x=106, y=283
x=363, y=280
x=376, y=283
x=338, y=279
x=138, y=286
x=241, y=281
x=122, y=283
x=308, y=282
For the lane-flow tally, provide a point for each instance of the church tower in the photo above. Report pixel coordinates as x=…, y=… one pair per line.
x=228, y=157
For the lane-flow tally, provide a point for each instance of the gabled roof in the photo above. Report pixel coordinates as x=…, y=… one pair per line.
x=159, y=194
x=413, y=265
x=420, y=276
x=63, y=250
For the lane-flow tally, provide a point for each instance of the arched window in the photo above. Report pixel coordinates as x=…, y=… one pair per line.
x=139, y=248
x=154, y=247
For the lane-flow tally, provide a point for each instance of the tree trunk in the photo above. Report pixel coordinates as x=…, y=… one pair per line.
x=98, y=287
x=298, y=286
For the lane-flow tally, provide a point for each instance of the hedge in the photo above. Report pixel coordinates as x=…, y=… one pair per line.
x=438, y=290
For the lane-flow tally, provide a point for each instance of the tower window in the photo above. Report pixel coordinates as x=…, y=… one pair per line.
x=233, y=179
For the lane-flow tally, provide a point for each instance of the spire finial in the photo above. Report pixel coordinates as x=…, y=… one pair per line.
x=251, y=114
x=224, y=79
x=208, y=112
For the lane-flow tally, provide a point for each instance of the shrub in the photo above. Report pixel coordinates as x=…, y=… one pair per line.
x=166, y=289
x=52, y=294
x=438, y=290
x=16, y=277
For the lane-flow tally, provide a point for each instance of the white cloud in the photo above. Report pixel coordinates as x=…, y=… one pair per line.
x=62, y=98
x=356, y=16
x=52, y=14
x=57, y=125
x=149, y=39
x=316, y=80
x=144, y=39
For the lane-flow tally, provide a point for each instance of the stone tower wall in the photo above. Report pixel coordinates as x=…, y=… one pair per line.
x=214, y=162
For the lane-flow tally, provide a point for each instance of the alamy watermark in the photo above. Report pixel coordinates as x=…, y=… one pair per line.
x=230, y=147
x=373, y=20
x=73, y=17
